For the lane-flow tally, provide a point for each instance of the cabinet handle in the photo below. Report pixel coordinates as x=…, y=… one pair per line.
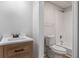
x=19, y=50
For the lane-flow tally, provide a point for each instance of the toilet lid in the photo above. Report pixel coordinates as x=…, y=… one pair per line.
x=50, y=36
x=59, y=48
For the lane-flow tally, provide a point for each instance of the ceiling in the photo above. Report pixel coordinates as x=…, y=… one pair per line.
x=62, y=4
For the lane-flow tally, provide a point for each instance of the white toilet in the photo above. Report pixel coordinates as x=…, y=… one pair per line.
x=55, y=51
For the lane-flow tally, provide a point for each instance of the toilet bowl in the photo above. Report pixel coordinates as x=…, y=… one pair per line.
x=53, y=49
x=58, y=51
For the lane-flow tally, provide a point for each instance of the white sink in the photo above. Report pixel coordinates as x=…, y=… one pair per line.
x=10, y=40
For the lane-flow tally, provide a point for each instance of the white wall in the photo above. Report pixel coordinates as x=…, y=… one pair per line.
x=59, y=26
x=16, y=16
x=68, y=27
x=53, y=21
x=50, y=12
x=58, y=23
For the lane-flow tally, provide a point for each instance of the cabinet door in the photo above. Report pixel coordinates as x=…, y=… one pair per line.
x=19, y=50
x=1, y=52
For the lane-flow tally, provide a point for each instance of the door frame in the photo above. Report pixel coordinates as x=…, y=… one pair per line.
x=75, y=51
x=38, y=29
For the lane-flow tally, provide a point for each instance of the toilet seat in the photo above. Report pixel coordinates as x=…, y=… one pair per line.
x=58, y=49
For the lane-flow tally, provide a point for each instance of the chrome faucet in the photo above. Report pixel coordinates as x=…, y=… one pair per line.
x=15, y=35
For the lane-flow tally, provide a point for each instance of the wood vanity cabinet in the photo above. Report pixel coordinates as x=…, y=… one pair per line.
x=19, y=50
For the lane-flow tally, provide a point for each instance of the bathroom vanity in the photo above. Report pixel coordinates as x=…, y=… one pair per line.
x=19, y=48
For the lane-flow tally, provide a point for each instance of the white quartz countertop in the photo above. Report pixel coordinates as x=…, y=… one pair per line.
x=9, y=40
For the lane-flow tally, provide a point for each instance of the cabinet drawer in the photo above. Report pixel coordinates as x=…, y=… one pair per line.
x=18, y=49
x=23, y=55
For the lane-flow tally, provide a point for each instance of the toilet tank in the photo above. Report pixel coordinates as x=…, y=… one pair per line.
x=50, y=40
